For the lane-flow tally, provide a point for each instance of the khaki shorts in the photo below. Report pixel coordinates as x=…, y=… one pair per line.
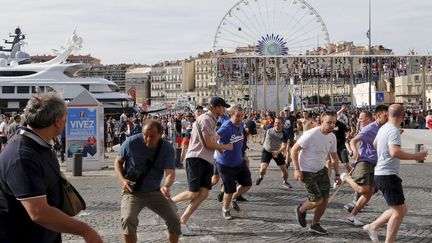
x=363, y=174
x=317, y=184
x=133, y=203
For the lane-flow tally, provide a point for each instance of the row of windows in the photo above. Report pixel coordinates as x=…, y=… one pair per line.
x=201, y=69
x=25, y=89
x=206, y=62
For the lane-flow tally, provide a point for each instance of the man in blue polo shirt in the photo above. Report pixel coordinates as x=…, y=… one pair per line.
x=30, y=179
x=230, y=164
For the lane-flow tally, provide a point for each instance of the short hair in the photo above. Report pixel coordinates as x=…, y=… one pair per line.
x=396, y=111
x=234, y=109
x=381, y=108
x=17, y=117
x=153, y=124
x=279, y=118
x=367, y=113
x=328, y=113
x=43, y=109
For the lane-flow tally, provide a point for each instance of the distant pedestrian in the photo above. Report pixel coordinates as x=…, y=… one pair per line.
x=273, y=148
x=11, y=129
x=3, y=131
x=122, y=129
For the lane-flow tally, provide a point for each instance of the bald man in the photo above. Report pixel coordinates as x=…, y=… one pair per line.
x=388, y=144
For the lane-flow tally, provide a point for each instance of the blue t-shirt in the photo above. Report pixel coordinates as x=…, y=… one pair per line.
x=138, y=155
x=367, y=136
x=233, y=134
x=289, y=125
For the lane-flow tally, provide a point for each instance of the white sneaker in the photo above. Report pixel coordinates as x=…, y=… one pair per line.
x=373, y=234
x=343, y=176
x=226, y=214
x=353, y=220
x=185, y=230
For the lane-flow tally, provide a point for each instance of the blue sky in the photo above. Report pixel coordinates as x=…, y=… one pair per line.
x=143, y=31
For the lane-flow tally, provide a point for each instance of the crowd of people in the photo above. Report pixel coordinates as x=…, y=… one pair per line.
x=211, y=145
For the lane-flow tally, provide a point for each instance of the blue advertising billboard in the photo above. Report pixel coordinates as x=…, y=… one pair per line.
x=81, y=132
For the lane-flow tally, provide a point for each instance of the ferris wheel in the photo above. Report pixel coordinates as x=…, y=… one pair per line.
x=271, y=28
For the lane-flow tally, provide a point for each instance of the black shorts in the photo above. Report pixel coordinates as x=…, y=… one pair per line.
x=266, y=157
x=3, y=139
x=342, y=153
x=233, y=175
x=391, y=188
x=199, y=173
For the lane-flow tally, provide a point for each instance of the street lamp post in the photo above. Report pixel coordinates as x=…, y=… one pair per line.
x=370, y=59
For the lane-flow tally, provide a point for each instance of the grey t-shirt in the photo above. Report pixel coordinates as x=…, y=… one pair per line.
x=387, y=135
x=274, y=140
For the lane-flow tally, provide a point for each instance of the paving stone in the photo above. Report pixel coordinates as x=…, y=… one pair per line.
x=268, y=216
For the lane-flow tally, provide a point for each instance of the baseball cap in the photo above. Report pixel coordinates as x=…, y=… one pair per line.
x=218, y=101
x=286, y=108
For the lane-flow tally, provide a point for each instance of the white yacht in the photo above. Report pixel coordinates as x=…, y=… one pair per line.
x=20, y=79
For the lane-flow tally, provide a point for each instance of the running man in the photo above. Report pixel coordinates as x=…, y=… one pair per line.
x=362, y=180
x=289, y=127
x=310, y=168
x=199, y=159
x=231, y=165
x=388, y=144
x=274, y=145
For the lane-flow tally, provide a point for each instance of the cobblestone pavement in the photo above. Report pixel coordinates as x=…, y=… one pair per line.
x=268, y=216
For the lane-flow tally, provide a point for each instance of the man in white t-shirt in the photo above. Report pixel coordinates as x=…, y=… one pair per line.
x=309, y=158
x=3, y=129
x=388, y=144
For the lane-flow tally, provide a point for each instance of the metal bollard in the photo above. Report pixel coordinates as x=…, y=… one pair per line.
x=77, y=164
x=419, y=148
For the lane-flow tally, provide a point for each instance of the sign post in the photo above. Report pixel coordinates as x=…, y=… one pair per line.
x=379, y=98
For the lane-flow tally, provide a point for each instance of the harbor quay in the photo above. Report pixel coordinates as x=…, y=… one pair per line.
x=267, y=216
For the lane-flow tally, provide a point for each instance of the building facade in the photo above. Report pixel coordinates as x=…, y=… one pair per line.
x=93, y=61
x=112, y=72
x=205, y=77
x=138, y=85
x=408, y=89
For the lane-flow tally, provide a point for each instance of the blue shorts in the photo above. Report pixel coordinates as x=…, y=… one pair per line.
x=233, y=175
